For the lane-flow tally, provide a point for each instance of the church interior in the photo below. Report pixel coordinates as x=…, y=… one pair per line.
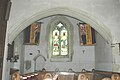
x=59, y=40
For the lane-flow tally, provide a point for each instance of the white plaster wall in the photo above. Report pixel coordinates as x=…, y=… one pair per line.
x=106, y=11
x=80, y=60
x=103, y=54
x=19, y=50
x=116, y=57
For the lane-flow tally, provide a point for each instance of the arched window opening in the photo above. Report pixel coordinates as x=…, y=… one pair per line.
x=60, y=41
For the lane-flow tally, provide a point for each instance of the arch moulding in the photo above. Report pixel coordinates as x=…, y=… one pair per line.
x=75, y=13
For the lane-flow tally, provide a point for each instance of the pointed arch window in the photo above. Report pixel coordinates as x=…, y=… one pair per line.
x=60, y=39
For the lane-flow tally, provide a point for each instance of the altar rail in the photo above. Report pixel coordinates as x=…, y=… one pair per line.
x=52, y=75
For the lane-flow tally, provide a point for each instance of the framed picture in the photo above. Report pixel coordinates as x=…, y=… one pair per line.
x=87, y=34
x=32, y=34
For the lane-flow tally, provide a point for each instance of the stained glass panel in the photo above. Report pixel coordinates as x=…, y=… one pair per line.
x=64, y=42
x=55, y=42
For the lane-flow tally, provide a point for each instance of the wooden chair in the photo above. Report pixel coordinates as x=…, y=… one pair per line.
x=15, y=76
x=115, y=77
x=82, y=76
x=106, y=78
x=48, y=76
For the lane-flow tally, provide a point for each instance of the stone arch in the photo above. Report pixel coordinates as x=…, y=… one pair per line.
x=75, y=13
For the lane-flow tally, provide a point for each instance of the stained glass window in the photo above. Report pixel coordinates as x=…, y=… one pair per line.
x=60, y=40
